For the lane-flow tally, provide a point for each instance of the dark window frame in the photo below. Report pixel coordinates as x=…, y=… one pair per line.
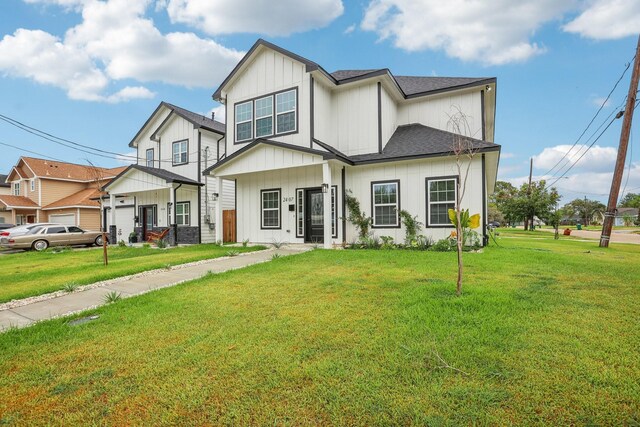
x=398, y=206
x=153, y=157
x=274, y=115
x=173, y=162
x=426, y=195
x=334, y=216
x=175, y=212
x=270, y=190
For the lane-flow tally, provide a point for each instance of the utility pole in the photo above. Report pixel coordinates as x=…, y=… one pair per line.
x=609, y=215
x=529, y=192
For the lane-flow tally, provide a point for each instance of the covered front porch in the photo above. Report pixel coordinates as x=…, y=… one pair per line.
x=163, y=203
x=285, y=194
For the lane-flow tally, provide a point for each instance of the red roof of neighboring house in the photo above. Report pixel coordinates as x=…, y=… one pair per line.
x=18, y=202
x=81, y=198
x=61, y=170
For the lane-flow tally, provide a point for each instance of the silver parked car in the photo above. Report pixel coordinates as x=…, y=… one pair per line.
x=40, y=238
x=20, y=230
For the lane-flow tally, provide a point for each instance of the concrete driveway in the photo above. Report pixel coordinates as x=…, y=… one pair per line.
x=619, y=236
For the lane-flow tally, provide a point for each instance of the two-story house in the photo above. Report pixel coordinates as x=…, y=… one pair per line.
x=299, y=138
x=51, y=191
x=165, y=190
x=5, y=190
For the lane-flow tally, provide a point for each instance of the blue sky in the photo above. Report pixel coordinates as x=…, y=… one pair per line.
x=93, y=71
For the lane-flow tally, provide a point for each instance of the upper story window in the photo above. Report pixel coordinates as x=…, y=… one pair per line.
x=386, y=203
x=441, y=196
x=244, y=121
x=16, y=188
x=33, y=185
x=149, y=157
x=259, y=117
x=180, y=152
x=286, y=111
x=264, y=116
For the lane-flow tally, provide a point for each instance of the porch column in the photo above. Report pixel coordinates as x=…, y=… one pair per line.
x=172, y=215
x=112, y=211
x=218, y=223
x=326, y=179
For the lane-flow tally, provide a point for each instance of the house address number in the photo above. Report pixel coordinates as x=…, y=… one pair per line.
x=287, y=199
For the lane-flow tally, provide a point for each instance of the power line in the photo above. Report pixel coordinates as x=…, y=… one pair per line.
x=32, y=152
x=594, y=117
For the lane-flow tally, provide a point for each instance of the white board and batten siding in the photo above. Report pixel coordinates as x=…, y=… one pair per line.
x=209, y=203
x=267, y=73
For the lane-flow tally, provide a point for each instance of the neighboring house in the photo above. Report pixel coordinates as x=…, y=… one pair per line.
x=46, y=190
x=298, y=138
x=623, y=213
x=165, y=189
x=5, y=190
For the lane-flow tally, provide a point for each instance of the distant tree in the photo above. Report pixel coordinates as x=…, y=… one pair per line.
x=586, y=209
x=630, y=200
x=494, y=212
x=520, y=204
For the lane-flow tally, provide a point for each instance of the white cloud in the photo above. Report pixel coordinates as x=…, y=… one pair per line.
x=274, y=18
x=607, y=20
x=113, y=42
x=350, y=29
x=507, y=155
x=220, y=113
x=596, y=159
x=487, y=31
x=494, y=32
x=600, y=101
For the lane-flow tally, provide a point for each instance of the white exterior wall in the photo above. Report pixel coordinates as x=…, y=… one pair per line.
x=144, y=140
x=436, y=111
x=413, y=195
x=389, y=115
x=354, y=119
x=248, y=202
x=323, y=124
x=179, y=129
x=270, y=72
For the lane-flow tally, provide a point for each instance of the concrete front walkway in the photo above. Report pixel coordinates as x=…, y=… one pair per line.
x=30, y=313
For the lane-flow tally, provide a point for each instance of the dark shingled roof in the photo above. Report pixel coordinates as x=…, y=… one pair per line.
x=3, y=182
x=160, y=173
x=415, y=141
x=349, y=74
x=198, y=119
x=413, y=85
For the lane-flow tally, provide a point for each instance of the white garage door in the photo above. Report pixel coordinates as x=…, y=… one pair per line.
x=124, y=222
x=66, y=219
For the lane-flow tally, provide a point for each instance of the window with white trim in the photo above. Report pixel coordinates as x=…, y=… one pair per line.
x=264, y=116
x=270, y=206
x=180, y=152
x=183, y=213
x=286, y=111
x=149, y=157
x=300, y=212
x=441, y=196
x=244, y=121
x=385, y=203
x=33, y=184
x=16, y=188
x=334, y=219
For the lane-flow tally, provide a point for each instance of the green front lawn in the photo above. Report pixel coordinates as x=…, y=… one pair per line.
x=546, y=333
x=34, y=273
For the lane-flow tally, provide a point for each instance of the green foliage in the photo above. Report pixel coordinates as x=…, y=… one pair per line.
x=412, y=227
x=586, y=209
x=519, y=204
x=628, y=220
x=276, y=256
x=359, y=219
x=233, y=252
x=112, y=297
x=70, y=287
x=277, y=243
x=387, y=242
x=146, y=245
x=444, y=245
x=630, y=200
x=423, y=243
x=162, y=243
x=245, y=242
x=122, y=243
x=371, y=242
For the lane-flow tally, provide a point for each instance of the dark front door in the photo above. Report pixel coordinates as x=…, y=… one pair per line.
x=147, y=221
x=314, y=216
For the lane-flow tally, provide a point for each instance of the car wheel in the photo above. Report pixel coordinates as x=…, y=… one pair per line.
x=98, y=241
x=40, y=245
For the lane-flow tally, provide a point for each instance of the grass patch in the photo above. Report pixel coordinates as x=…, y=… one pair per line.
x=28, y=274
x=545, y=333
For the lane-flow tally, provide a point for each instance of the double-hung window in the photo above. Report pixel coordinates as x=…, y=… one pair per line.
x=386, y=203
x=441, y=196
x=149, y=158
x=286, y=111
x=270, y=208
x=182, y=213
x=264, y=116
x=180, y=152
x=33, y=185
x=244, y=121
x=16, y=188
